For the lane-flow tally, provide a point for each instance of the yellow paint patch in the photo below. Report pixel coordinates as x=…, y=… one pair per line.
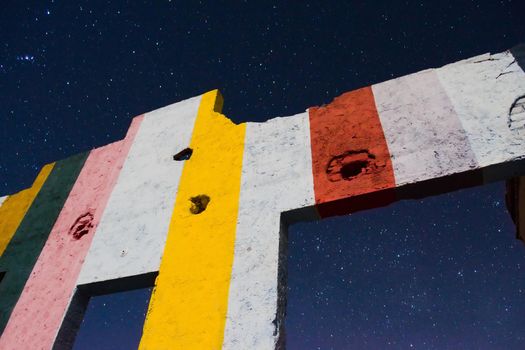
x=188, y=306
x=15, y=207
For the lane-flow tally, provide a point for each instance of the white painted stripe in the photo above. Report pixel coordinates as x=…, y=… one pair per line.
x=482, y=90
x=276, y=177
x=131, y=235
x=2, y=199
x=425, y=137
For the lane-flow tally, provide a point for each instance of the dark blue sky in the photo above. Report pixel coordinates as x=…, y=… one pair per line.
x=441, y=273
x=72, y=74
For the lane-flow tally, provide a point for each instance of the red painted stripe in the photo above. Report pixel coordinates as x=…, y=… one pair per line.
x=351, y=163
x=38, y=314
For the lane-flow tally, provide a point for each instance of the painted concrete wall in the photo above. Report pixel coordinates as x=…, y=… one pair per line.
x=352, y=164
x=24, y=248
x=15, y=206
x=212, y=223
x=38, y=314
x=132, y=232
x=276, y=178
x=189, y=303
x=423, y=132
x=482, y=91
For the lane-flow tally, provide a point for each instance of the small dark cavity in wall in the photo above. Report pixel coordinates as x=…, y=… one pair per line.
x=199, y=203
x=185, y=154
x=349, y=165
x=83, y=224
x=516, y=119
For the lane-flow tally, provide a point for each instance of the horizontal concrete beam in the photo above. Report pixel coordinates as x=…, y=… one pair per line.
x=204, y=203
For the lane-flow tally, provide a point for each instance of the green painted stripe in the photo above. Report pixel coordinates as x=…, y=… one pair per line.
x=29, y=239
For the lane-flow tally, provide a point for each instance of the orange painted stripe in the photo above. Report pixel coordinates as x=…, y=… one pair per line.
x=351, y=163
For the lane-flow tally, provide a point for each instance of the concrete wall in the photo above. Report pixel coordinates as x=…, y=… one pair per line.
x=25, y=246
x=132, y=231
x=212, y=224
x=42, y=305
x=15, y=206
x=276, y=178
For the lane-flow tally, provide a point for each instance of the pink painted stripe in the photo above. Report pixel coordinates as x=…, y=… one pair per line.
x=39, y=312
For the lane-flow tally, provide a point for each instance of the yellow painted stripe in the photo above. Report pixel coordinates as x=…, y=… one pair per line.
x=15, y=207
x=188, y=306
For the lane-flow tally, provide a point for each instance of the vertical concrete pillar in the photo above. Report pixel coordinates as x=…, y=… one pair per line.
x=189, y=302
x=24, y=248
x=276, y=178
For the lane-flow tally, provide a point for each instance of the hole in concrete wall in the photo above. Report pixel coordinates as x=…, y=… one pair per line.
x=350, y=164
x=83, y=224
x=352, y=169
x=199, y=203
x=517, y=114
x=113, y=321
x=185, y=154
x=438, y=273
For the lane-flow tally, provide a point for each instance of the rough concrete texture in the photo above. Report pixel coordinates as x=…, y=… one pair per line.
x=38, y=314
x=223, y=195
x=130, y=237
x=15, y=207
x=276, y=178
x=482, y=90
x=20, y=256
x=424, y=134
x=188, y=306
x=350, y=157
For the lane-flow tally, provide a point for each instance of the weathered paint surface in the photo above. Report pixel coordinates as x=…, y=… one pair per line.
x=188, y=305
x=222, y=281
x=424, y=134
x=20, y=256
x=15, y=206
x=276, y=178
x=482, y=90
x=38, y=314
x=350, y=158
x=132, y=232
x=2, y=200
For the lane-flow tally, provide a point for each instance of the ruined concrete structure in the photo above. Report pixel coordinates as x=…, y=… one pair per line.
x=198, y=206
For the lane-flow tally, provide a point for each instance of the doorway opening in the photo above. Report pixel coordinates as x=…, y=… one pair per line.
x=445, y=272
x=113, y=321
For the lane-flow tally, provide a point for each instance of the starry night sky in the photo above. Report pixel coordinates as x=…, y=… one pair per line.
x=73, y=74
